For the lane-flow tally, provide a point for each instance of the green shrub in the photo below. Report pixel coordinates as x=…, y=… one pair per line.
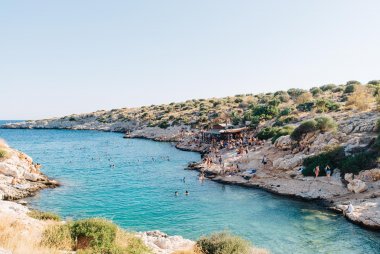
x=350, y=88
x=295, y=92
x=267, y=133
x=163, y=125
x=265, y=112
x=374, y=82
x=3, y=153
x=94, y=233
x=223, y=243
x=358, y=162
x=315, y=91
x=286, y=111
x=305, y=107
x=303, y=128
x=44, y=215
x=338, y=89
x=353, y=82
x=324, y=105
x=328, y=87
x=330, y=157
x=283, y=96
x=286, y=130
x=325, y=123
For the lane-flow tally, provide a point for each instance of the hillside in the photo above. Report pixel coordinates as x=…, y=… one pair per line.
x=280, y=108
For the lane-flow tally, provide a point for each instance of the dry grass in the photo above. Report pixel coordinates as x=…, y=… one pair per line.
x=21, y=238
x=361, y=99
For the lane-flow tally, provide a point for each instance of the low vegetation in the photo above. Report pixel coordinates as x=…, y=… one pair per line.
x=225, y=243
x=323, y=124
x=92, y=236
x=44, y=215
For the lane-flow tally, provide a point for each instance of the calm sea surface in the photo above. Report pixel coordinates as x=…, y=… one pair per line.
x=138, y=194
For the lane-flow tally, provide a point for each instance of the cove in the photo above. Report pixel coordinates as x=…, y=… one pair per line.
x=138, y=194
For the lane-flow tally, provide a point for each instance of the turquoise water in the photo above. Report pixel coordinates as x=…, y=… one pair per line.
x=138, y=194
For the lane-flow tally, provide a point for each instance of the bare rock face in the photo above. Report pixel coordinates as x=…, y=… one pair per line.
x=363, y=122
x=161, y=243
x=357, y=186
x=289, y=162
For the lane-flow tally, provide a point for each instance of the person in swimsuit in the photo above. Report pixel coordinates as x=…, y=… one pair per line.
x=328, y=171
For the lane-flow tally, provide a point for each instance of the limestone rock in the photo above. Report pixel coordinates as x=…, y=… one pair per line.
x=357, y=186
x=161, y=243
x=348, y=177
x=289, y=162
x=283, y=142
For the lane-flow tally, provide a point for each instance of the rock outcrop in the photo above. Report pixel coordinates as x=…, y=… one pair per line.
x=161, y=243
x=19, y=175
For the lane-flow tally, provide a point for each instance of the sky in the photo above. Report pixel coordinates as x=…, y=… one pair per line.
x=64, y=57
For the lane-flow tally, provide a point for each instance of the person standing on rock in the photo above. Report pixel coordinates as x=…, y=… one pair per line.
x=316, y=171
x=328, y=171
x=264, y=161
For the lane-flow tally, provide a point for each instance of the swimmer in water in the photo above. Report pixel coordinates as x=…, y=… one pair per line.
x=176, y=193
x=187, y=193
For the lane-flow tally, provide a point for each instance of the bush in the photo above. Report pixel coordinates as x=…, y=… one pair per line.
x=303, y=128
x=283, y=96
x=325, y=123
x=330, y=157
x=303, y=98
x=353, y=82
x=58, y=237
x=328, y=87
x=358, y=162
x=286, y=130
x=360, y=98
x=163, y=125
x=265, y=112
x=324, y=105
x=267, y=133
x=3, y=153
x=94, y=233
x=315, y=91
x=305, y=107
x=350, y=88
x=223, y=243
x=285, y=111
x=295, y=92
x=44, y=215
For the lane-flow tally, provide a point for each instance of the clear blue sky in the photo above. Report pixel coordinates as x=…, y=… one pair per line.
x=63, y=57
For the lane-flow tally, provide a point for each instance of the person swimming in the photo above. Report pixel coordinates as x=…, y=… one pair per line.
x=187, y=193
x=176, y=193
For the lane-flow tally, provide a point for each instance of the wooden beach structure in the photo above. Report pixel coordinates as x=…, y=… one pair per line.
x=223, y=132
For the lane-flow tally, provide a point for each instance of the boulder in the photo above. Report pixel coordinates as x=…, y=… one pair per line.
x=357, y=186
x=348, y=177
x=283, y=142
x=289, y=162
x=372, y=175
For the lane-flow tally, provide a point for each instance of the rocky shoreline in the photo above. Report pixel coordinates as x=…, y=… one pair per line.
x=282, y=176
